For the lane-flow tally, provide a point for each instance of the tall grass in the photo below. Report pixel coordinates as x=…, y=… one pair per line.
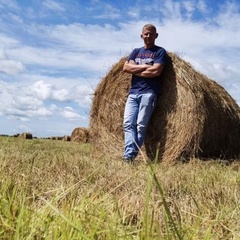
x=58, y=190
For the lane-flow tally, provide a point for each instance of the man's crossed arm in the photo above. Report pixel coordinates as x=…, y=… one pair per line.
x=143, y=70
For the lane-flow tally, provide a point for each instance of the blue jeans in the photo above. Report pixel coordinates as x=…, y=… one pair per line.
x=138, y=111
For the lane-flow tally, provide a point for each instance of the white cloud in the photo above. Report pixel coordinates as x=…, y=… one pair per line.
x=82, y=95
x=103, y=10
x=41, y=89
x=23, y=128
x=201, y=6
x=61, y=95
x=20, y=103
x=10, y=3
x=27, y=102
x=41, y=112
x=134, y=12
x=69, y=112
x=11, y=67
x=53, y=5
x=171, y=10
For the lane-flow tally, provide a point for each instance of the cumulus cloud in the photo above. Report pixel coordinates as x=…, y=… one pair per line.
x=20, y=103
x=10, y=67
x=26, y=102
x=41, y=89
x=69, y=112
x=61, y=95
x=82, y=95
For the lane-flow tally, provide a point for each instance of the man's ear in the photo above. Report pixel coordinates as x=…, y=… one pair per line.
x=141, y=36
x=156, y=35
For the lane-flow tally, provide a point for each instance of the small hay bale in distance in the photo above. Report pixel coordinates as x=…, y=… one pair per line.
x=194, y=116
x=25, y=135
x=56, y=138
x=66, y=138
x=80, y=134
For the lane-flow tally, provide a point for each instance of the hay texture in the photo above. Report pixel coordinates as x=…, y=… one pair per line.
x=80, y=134
x=194, y=116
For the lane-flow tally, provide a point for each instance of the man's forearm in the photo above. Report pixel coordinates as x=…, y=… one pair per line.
x=150, y=72
x=133, y=68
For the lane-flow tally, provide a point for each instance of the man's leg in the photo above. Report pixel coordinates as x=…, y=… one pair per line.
x=130, y=127
x=147, y=105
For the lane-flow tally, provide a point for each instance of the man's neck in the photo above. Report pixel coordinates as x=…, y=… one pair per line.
x=149, y=46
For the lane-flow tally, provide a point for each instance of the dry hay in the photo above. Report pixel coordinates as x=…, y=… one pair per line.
x=80, y=134
x=25, y=135
x=194, y=117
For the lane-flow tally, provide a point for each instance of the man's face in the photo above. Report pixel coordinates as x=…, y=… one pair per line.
x=149, y=35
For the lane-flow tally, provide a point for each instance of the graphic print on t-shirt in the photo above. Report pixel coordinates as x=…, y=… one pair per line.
x=145, y=58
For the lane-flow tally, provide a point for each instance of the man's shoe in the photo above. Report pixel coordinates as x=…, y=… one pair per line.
x=128, y=160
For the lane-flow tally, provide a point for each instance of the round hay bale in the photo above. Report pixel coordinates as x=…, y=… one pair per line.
x=194, y=116
x=25, y=135
x=56, y=138
x=80, y=134
x=66, y=138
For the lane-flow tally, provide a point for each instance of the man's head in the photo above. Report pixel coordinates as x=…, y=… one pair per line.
x=149, y=34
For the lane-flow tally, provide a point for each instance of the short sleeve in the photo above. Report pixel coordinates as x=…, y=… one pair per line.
x=161, y=56
x=133, y=54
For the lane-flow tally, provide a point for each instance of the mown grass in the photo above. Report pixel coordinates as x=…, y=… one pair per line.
x=59, y=190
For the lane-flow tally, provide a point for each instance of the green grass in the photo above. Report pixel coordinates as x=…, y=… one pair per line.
x=59, y=190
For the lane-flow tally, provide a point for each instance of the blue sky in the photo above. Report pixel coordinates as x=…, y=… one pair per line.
x=53, y=53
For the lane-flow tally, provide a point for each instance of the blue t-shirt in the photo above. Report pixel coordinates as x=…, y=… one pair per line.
x=150, y=56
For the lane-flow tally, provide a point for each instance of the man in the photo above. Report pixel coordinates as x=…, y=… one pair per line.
x=145, y=64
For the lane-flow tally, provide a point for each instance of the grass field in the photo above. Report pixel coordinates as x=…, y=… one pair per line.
x=59, y=190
